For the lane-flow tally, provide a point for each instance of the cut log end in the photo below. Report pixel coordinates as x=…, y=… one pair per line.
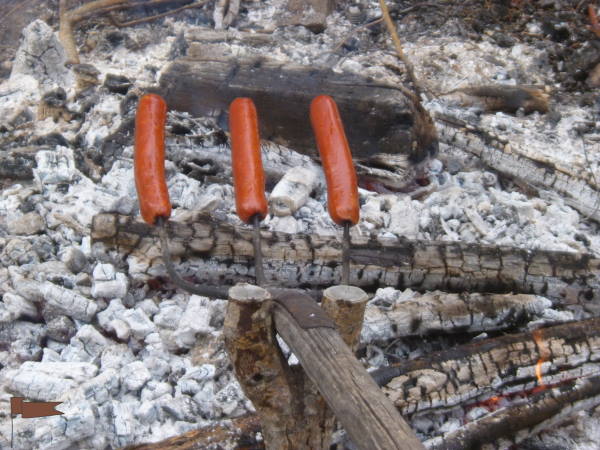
x=248, y=293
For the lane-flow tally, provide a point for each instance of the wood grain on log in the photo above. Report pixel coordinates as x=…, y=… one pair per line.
x=226, y=257
x=377, y=119
x=368, y=417
x=290, y=419
x=293, y=414
x=492, y=367
x=515, y=423
x=578, y=187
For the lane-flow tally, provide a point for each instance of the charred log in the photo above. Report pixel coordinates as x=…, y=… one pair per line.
x=493, y=367
x=579, y=187
x=513, y=424
x=378, y=119
x=220, y=253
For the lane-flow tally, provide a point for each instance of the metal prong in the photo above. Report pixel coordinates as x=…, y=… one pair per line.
x=205, y=291
x=346, y=254
x=258, y=260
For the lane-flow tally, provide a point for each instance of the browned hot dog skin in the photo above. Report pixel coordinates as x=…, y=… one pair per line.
x=149, y=159
x=342, y=188
x=248, y=174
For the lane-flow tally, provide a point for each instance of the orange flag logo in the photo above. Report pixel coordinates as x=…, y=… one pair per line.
x=32, y=409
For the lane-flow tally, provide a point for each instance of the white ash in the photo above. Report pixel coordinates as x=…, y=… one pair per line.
x=128, y=371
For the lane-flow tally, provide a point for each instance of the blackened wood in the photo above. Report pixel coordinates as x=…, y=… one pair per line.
x=366, y=414
x=515, y=423
x=294, y=260
x=493, y=367
x=377, y=119
x=576, y=185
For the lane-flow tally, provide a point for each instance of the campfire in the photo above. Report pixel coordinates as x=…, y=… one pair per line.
x=471, y=269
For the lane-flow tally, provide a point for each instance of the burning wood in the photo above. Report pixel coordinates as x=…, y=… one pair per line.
x=226, y=254
x=493, y=367
x=513, y=424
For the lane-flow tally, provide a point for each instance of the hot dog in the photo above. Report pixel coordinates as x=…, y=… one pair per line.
x=248, y=174
x=342, y=189
x=149, y=159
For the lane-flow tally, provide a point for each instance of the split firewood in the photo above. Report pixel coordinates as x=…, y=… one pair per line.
x=503, y=98
x=495, y=367
x=579, y=188
x=378, y=119
x=220, y=253
x=510, y=425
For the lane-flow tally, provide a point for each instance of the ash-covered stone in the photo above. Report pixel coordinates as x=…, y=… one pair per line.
x=121, y=328
x=113, y=311
x=168, y=315
x=139, y=322
x=18, y=252
x=156, y=389
x=61, y=329
x=116, y=288
x=23, y=339
x=104, y=272
x=75, y=260
x=55, y=166
x=180, y=408
x=115, y=356
x=195, y=319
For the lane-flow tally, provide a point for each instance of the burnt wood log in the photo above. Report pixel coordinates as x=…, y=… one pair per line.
x=473, y=374
x=579, y=188
x=515, y=423
x=220, y=253
x=493, y=367
x=440, y=312
x=377, y=119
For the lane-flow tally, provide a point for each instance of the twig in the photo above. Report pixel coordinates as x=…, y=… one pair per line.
x=70, y=17
x=116, y=22
x=594, y=26
x=355, y=30
x=392, y=30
